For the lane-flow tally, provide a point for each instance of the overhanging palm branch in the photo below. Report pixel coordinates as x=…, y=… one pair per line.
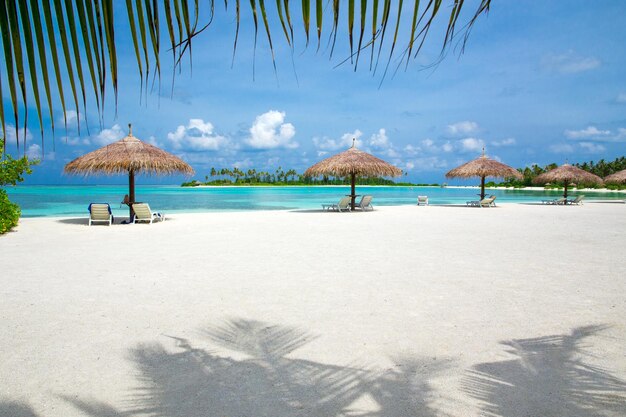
x=32, y=30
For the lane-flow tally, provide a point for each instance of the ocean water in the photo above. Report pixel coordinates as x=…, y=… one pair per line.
x=65, y=200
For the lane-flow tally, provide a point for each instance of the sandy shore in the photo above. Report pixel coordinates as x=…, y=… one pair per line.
x=518, y=310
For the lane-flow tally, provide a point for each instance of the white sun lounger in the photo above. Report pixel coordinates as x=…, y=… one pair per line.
x=343, y=205
x=144, y=214
x=422, y=200
x=100, y=213
x=485, y=202
x=365, y=203
x=577, y=201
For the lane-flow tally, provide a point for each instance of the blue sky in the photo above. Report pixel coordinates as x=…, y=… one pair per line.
x=539, y=82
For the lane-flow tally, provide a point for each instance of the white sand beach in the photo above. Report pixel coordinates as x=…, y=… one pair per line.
x=518, y=310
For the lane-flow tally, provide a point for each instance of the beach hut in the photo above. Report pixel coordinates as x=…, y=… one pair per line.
x=128, y=156
x=616, y=178
x=567, y=175
x=482, y=168
x=353, y=163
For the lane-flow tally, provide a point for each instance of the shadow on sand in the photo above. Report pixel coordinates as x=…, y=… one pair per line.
x=196, y=382
x=16, y=409
x=547, y=377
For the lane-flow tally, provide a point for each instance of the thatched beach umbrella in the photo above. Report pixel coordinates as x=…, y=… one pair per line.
x=128, y=156
x=616, y=178
x=567, y=175
x=353, y=163
x=484, y=167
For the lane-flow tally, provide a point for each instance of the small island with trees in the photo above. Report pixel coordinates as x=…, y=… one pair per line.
x=280, y=177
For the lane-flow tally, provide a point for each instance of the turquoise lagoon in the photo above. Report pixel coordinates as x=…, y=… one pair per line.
x=71, y=200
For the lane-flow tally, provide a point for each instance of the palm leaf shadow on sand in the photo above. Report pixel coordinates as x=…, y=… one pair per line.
x=195, y=382
x=16, y=409
x=548, y=377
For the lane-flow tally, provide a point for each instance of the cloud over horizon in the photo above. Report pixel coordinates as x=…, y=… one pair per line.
x=569, y=62
x=197, y=136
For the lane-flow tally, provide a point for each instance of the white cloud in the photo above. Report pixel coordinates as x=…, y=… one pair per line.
x=330, y=144
x=12, y=135
x=244, y=164
x=273, y=161
x=380, y=140
x=471, y=144
x=72, y=117
x=587, y=133
x=198, y=135
x=561, y=148
x=428, y=143
x=592, y=147
x=462, y=128
x=569, y=63
x=431, y=163
x=447, y=147
x=270, y=131
x=153, y=141
x=621, y=98
x=621, y=133
x=391, y=153
x=35, y=151
x=504, y=142
x=108, y=136
x=412, y=150
x=74, y=140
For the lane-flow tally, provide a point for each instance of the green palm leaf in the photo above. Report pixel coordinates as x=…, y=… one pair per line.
x=19, y=62
x=66, y=53
x=32, y=28
x=30, y=53
x=43, y=61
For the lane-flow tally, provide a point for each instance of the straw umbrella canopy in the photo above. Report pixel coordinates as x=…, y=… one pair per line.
x=484, y=167
x=567, y=175
x=128, y=156
x=353, y=163
x=616, y=178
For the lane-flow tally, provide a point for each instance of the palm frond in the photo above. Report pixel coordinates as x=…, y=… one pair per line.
x=85, y=30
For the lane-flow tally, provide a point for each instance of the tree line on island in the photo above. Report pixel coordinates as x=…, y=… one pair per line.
x=280, y=177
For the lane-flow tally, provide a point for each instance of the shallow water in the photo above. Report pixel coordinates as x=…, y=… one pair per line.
x=64, y=200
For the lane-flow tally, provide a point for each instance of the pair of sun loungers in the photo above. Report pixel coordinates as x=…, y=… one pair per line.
x=344, y=204
x=485, y=202
x=101, y=213
x=578, y=201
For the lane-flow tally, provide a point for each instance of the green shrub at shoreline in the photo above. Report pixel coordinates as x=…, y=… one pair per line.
x=11, y=172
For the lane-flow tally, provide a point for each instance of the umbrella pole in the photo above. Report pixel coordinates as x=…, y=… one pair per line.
x=131, y=193
x=353, y=189
x=482, y=188
x=565, y=190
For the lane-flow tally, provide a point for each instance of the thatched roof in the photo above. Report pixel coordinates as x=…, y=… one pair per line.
x=484, y=167
x=125, y=155
x=567, y=174
x=353, y=161
x=617, y=178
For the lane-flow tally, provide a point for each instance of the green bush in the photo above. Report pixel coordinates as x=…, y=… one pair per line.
x=9, y=213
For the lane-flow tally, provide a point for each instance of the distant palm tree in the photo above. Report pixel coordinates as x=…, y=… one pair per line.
x=73, y=45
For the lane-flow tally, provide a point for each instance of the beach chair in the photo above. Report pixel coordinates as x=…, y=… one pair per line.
x=100, y=213
x=365, y=203
x=343, y=205
x=577, y=201
x=144, y=214
x=485, y=202
x=556, y=201
x=422, y=200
